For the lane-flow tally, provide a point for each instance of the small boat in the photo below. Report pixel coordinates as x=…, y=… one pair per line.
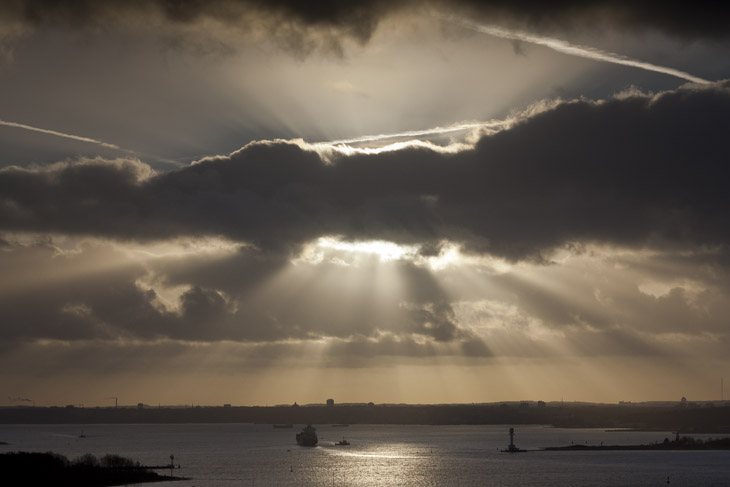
x=340, y=425
x=287, y=425
x=308, y=436
x=343, y=442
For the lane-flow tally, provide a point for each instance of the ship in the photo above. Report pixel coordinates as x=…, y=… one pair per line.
x=308, y=436
x=343, y=442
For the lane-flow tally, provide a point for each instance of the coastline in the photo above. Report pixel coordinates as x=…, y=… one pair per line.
x=35, y=468
x=680, y=444
x=686, y=421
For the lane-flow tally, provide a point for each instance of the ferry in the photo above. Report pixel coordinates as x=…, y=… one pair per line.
x=308, y=436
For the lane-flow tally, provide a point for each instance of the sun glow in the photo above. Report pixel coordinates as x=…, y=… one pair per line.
x=335, y=250
x=386, y=251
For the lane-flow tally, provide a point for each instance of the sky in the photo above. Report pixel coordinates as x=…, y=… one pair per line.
x=462, y=201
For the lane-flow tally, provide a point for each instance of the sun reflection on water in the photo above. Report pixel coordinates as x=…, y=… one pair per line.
x=373, y=455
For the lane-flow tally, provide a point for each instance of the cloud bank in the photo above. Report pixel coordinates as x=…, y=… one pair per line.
x=289, y=20
x=639, y=170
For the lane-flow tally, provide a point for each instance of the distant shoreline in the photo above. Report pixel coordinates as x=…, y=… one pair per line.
x=626, y=447
x=684, y=420
x=680, y=444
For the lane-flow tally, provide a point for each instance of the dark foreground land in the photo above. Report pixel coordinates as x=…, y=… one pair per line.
x=40, y=469
x=685, y=419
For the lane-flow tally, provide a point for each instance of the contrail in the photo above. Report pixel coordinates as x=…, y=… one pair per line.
x=574, y=50
x=60, y=134
x=489, y=127
x=86, y=139
x=493, y=124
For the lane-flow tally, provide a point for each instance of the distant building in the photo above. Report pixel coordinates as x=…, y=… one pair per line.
x=524, y=404
x=541, y=404
x=140, y=405
x=330, y=402
x=226, y=405
x=371, y=404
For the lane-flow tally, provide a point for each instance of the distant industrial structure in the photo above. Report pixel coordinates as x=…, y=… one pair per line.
x=511, y=448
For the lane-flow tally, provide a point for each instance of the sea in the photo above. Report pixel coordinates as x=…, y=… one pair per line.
x=227, y=455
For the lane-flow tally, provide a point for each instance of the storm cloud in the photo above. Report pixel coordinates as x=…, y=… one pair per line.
x=359, y=18
x=639, y=170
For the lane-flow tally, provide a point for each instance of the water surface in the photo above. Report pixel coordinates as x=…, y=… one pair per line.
x=227, y=455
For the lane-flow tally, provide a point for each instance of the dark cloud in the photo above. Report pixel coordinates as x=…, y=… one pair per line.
x=705, y=19
x=636, y=170
x=106, y=296
x=359, y=18
x=85, y=296
x=437, y=322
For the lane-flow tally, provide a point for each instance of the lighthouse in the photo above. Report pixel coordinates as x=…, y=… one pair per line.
x=512, y=448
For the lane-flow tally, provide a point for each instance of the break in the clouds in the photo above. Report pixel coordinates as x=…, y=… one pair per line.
x=644, y=170
x=173, y=82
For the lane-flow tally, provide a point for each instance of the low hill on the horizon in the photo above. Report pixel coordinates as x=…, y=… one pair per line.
x=685, y=418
